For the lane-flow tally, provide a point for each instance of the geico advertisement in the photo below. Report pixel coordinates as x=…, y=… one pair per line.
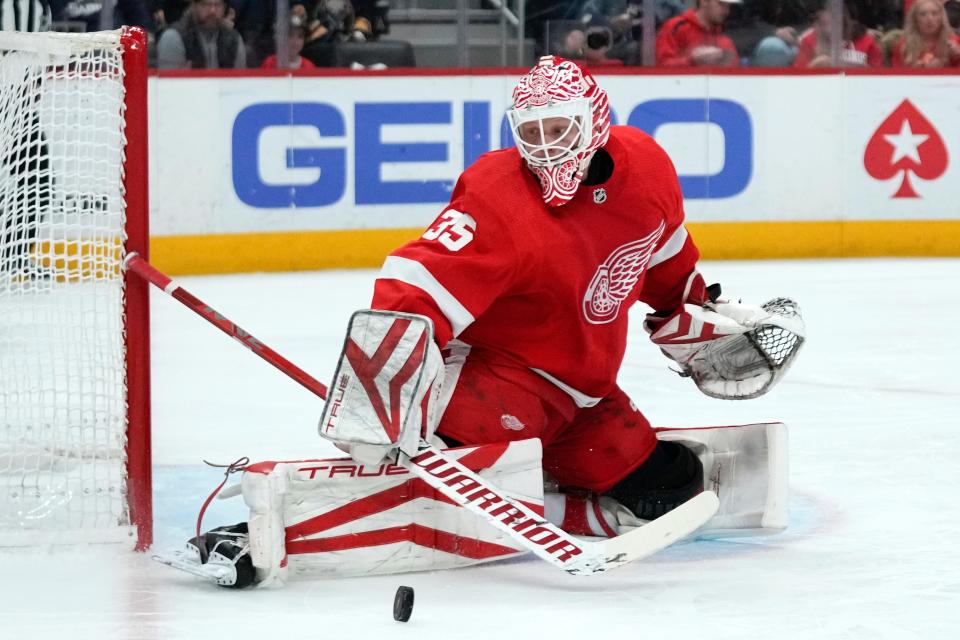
x=272, y=154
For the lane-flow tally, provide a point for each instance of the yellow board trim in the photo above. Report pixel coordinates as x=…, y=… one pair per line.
x=364, y=248
x=831, y=239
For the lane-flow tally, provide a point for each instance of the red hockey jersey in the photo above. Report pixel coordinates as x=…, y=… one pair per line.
x=548, y=288
x=862, y=52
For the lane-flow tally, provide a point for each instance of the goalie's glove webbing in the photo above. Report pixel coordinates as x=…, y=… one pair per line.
x=731, y=350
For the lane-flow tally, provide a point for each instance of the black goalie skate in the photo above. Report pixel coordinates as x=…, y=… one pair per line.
x=221, y=555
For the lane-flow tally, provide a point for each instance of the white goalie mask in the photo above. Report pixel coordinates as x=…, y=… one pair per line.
x=551, y=146
x=560, y=117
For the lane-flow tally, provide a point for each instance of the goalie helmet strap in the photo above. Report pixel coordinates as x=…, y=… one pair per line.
x=669, y=477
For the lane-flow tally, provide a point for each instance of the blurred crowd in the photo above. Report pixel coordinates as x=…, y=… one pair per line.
x=221, y=34
x=233, y=34
x=761, y=33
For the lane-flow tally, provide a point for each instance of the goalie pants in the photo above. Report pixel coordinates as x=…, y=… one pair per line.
x=590, y=448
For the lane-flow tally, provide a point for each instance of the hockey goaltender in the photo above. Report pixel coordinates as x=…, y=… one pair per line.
x=497, y=336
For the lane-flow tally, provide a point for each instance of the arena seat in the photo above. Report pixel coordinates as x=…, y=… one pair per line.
x=393, y=53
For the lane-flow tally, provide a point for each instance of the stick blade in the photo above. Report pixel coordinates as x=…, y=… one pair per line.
x=660, y=533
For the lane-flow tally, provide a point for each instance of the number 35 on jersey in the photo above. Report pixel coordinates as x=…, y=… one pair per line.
x=453, y=229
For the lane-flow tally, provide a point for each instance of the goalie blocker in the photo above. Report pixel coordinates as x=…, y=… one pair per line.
x=385, y=391
x=339, y=517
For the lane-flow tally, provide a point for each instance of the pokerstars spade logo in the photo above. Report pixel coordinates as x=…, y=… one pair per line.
x=905, y=143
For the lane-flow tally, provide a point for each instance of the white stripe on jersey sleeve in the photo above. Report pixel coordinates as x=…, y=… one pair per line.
x=580, y=399
x=414, y=273
x=670, y=248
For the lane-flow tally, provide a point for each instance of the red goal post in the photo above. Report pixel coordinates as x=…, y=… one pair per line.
x=75, y=463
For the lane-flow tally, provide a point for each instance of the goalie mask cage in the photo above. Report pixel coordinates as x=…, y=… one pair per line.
x=74, y=328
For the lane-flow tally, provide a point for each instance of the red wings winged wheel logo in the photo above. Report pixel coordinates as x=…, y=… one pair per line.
x=615, y=278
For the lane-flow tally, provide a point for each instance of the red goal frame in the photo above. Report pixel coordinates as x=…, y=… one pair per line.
x=137, y=299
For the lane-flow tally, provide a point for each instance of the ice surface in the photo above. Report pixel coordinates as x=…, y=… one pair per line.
x=872, y=405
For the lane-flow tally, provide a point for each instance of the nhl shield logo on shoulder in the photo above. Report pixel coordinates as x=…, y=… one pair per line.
x=599, y=195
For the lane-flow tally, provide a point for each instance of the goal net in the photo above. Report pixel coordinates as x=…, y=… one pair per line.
x=74, y=401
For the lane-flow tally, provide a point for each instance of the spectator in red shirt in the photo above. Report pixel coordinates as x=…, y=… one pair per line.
x=696, y=38
x=927, y=41
x=858, y=48
x=295, y=41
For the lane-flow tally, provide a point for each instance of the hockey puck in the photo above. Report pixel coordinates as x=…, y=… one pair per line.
x=403, y=604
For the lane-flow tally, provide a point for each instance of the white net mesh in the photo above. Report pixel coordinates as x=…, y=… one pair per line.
x=62, y=372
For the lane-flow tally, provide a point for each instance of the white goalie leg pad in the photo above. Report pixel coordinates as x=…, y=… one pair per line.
x=383, y=397
x=263, y=492
x=338, y=517
x=746, y=466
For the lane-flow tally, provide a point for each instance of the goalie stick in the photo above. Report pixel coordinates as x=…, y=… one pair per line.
x=466, y=488
x=549, y=542
x=154, y=276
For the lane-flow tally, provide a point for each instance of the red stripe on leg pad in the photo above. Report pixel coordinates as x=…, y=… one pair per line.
x=414, y=533
x=367, y=506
